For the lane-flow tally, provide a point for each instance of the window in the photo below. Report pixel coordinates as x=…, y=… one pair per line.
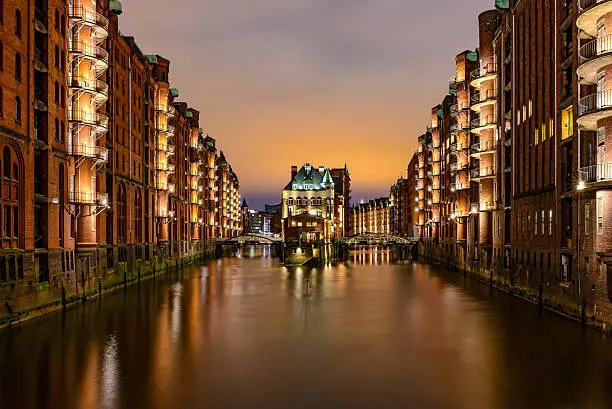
x=567, y=122
x=600, y=204
x=57, y=93
x=587, y=219
x=1, y=11
x=18, y=110
x=550, y=222
x=18, y=67
x=57, y=20
x=18, y=23
x=62, y=131
x=290, y=202
x=542, y=222
x=57, y=130
x=63, y=61
x=57, y=57
x=63, y=96
x=63, y=25
x=535, y=223
x=298, y=201
x=10, y=198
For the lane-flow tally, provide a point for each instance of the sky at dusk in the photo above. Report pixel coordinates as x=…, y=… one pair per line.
x=282, y=82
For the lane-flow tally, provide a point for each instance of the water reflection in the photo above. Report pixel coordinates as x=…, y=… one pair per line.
x=246, y=332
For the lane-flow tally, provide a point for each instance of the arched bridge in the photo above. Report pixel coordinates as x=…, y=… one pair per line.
x=251, y=239
x=377, y=239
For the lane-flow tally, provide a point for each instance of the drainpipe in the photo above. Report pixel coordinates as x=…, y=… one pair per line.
x=130, y=136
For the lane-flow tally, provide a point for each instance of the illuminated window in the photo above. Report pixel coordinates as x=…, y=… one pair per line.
x=550, y=222
x=542, y=222
x=567, y=122
x=537, y=137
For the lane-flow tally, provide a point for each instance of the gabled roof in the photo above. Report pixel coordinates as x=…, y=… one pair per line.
x=309, y=177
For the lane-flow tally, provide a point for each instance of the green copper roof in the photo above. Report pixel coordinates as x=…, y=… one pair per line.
x=174, y=92
x=201, y=131
x=502, y=4
x=327, y=179
x=209, y=143
x=115, y=7
x=189, y=114
x=472, y=56
x=151, y=58
x=440, y=112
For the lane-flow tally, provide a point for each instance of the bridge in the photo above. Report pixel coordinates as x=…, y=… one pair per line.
x=251, y=239
x=378, y=239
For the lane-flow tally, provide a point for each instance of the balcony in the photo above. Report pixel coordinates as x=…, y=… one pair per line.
x=486, y=72
x=482, y=99
x=596, y=175
x=483, y=148
x=92, y=119
x=170, y=149
x=97, y=153
x=483, y=173
x=88, y=198
x=170, y=130
x=590, y=11
x=594, y=55
x=161, y=166
x=96, y=21
x=171, y=111
x=97, y=55
x=593, y=108
x=98, y=89
x=484, y=122
x=453, y=84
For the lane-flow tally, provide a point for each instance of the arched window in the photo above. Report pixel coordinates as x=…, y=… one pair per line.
x=18, y=110
x=312, y=202
x=57, y=20
x=18, y=67
x=298, y=201
x=10, y=197
x=57, y=57
x=290, y=202
x=18, y=23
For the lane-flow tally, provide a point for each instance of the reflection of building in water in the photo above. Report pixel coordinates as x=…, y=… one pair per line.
x=371, y=256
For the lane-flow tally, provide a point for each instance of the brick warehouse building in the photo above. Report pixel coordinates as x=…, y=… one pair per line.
x=105, y=170
x=513, y=172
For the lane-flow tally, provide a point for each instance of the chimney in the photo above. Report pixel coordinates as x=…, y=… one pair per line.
x=293, y=171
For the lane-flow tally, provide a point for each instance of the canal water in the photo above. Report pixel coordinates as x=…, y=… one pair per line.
x=245, y=332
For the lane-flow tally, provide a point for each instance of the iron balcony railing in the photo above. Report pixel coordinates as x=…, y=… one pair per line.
x=88, y=118
x=91, y=198
x=88, y=151
x=595, y=102
x=483, y=121
x=89, y=17
x=484, y=70
x=596, y=173
x=88, y=84
x=479, y=97
x=92, y=51
x=483, y=172
x=595, y=48
x=486, y=147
